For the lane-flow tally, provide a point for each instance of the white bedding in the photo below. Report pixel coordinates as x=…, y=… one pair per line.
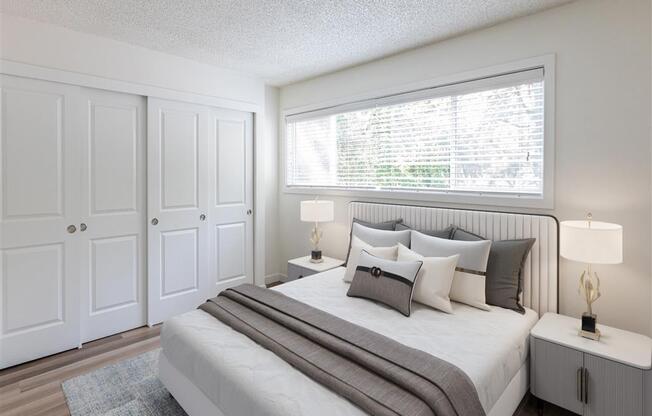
x=242, y=378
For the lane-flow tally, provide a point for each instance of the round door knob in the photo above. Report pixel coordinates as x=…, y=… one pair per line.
x=249, y=212
x=82, y=227
x=202, y=217
x=71, y=229
x=154, y=221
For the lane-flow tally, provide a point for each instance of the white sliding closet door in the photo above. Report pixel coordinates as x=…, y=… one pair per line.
x=178, y=190
x=112, y=231
x=39, y=213
x=231, y=199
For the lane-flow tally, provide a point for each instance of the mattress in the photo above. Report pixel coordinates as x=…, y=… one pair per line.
x=242, y=378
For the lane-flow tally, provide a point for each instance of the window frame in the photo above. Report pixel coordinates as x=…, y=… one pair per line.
x=446, y=84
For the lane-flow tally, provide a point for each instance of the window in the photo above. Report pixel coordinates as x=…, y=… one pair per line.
x=483, y=137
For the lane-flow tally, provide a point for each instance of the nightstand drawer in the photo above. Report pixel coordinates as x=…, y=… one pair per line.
x=613, y=388
x=555, y=374
x=297, y=272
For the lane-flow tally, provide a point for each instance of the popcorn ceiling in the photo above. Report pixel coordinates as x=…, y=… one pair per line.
x=281, y=41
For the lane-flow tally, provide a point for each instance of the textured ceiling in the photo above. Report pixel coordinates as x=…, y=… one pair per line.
x=281, y=41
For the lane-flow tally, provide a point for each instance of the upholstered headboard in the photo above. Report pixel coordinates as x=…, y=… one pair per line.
x=540, y=291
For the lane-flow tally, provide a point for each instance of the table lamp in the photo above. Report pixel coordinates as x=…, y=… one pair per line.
x=316, y=211
x=591, y=242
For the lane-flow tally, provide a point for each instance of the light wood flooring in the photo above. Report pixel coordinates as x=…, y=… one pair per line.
x=34, y=388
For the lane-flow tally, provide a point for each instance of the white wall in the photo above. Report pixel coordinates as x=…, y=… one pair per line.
x=28, y=41
x=272, y=253
x=602, y=132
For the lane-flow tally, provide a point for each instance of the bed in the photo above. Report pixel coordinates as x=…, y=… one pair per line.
x=213, y=370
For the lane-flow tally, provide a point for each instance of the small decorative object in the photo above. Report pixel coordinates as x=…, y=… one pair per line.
x=316, y=211
x=591, y=242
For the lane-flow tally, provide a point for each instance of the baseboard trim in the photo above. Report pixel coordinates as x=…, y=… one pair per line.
x=274, y=278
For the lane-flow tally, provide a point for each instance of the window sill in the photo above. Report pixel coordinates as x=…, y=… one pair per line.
x=498, y=200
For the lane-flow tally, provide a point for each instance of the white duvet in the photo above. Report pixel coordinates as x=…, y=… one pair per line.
x=242, y=378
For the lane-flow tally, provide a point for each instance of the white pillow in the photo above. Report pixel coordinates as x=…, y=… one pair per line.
x=469, y=281
x=380, y=238
x=357, y=245
x=434, y=280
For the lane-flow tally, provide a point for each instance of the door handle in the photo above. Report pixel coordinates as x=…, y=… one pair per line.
x=249, y=212
x=82, y=227
x=154, y=221
x=579, y=385
x=71, y=229
x=586, y=386
x=202, y=217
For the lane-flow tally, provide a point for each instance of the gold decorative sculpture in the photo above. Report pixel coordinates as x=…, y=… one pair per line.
x=315, y=236
x=589, y=289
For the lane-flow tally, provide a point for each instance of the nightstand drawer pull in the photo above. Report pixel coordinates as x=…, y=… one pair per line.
x=586, y=386
x=579, y=385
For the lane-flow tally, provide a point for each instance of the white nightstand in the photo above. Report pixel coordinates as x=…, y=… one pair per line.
x=302, y=267
x=611, y=376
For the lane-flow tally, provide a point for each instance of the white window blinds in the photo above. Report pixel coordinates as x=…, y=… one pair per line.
x=482, y=137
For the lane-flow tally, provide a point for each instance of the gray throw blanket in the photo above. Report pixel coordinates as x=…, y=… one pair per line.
x=378, y=374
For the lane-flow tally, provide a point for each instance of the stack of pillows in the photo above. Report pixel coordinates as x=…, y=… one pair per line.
x=391, y=263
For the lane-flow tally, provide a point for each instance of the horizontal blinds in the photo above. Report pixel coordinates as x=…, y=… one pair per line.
x=486, y=138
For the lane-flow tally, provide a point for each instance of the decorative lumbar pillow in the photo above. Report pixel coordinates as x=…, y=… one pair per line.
x=386, y=281
x=434, y=280
x=386, y=225
x=357, y=246
x=504, y=269
x=469, y=282
x=445, y=233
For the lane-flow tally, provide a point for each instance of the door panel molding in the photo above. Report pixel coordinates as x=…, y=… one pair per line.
x=32, y=180
x=179, y=271
x=178, y=142
x=117, y=276
x=112, y=142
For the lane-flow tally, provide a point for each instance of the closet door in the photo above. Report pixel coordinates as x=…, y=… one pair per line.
x=112, y=227
x=231, y=199
x=177, y=195
x=39, y=213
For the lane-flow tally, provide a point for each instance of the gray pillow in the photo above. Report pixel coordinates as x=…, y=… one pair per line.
x=386, y=225
x=385, y=281
x=380, y=238
x=445, y=233
x=504, y=278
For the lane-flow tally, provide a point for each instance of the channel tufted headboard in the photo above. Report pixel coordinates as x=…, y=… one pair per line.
x=540, y=290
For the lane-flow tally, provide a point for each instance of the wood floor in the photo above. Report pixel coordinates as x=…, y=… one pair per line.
x=34, y=388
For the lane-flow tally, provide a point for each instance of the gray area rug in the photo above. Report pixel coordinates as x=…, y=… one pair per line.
x=129, y=387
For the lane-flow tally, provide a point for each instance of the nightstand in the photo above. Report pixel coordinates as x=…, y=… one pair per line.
x=302, y=267
x=611, y=376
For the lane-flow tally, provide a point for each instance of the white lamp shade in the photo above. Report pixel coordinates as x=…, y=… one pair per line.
x=316, y=211
x=592, y=243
